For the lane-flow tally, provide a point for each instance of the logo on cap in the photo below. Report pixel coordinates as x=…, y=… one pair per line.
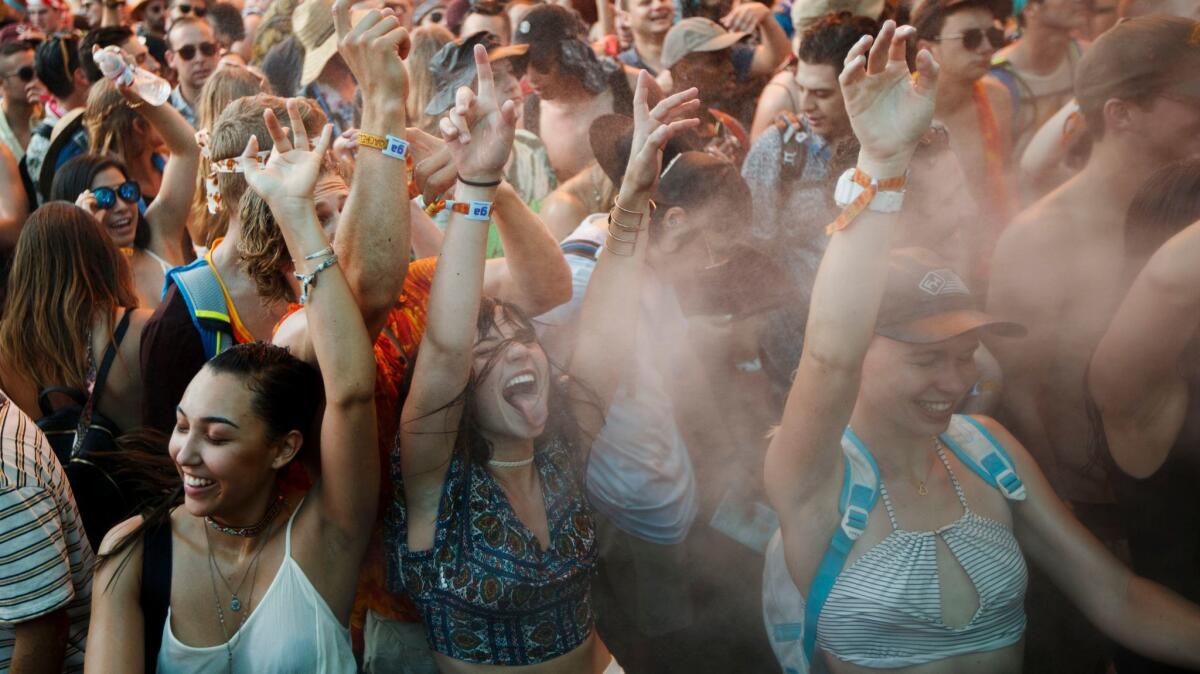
x=943, y=282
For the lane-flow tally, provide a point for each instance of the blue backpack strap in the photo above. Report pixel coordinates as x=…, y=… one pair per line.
x=980, y=451
x=1002, y=71
x=205, y=300
x=860, y=491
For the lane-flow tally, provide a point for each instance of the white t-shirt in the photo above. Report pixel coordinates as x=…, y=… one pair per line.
x=45, y=559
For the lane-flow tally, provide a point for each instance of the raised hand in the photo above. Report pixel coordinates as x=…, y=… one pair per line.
x=479, y=128
x=374, y=49
x=433, y=166
x=290, y=173
x=745, y=17
x=889, y=109
x=652, y=128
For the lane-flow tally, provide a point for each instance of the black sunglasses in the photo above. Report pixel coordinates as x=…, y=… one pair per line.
x=188, y=51
x=25, y=73
x=973, y=37
x=188, y=9
x=106, y=197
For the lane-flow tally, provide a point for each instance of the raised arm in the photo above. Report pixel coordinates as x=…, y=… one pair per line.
x=775, y=47
x=342, y=503
x=608, y=318
x=533, y=272
x=373, y=233
x=1135, y=375
x=479, y=132
x=889, y=112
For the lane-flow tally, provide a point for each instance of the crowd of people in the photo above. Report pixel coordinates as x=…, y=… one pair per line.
x=653, y=336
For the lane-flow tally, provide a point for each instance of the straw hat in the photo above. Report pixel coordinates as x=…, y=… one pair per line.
x=312, y=24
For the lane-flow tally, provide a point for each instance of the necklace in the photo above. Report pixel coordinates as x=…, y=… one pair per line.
x=921, y=489
x=496, y=463
x=252, y=530
x=235, y=603
x=213, y=572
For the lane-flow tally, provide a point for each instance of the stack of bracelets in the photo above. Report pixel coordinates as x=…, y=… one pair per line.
x=622, y=237
x=307, y=281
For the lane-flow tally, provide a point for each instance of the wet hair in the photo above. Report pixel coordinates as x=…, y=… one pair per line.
x=828, y=40
x=75, y=177
x=104, y=36
x=1165, y=204
x=287, y=395
x=66, y=273
x=226, y=85
x=113, y=127
x=56, y=61
x=261, y=244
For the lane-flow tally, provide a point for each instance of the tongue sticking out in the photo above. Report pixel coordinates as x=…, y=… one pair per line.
x=524, y=398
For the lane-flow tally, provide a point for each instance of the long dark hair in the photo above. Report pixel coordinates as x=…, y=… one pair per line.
x=75, y=177
x=287, y=395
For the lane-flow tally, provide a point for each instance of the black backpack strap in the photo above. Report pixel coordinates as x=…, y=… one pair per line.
x=44, y=394
x=110, y=354
x=156, y=589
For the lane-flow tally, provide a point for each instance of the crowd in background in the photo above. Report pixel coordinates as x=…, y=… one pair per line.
x=697, y=336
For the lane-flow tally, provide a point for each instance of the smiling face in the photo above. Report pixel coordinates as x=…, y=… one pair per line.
x=650, y=17
x=915, y=388
x=222, y=449
x=120, y=221
x=511, y=380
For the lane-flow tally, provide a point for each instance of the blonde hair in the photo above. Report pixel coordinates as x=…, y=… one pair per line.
x=426, y=41
x=260, y=245
x=110, y=123
x=229, y=83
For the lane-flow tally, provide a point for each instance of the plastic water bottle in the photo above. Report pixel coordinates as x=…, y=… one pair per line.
x=152, y=88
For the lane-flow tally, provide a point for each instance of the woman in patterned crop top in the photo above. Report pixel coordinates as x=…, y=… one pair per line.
x=490, y=532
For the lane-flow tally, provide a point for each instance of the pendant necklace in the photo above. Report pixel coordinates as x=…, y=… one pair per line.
x=921, y=489
x=235, y=603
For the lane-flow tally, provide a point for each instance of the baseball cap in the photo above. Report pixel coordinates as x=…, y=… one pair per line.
x=696, y=34
x=453, y=66
x=926, y=302
x=545, y=26
x=1137, y=60
x=20, y=32
x=807, y=12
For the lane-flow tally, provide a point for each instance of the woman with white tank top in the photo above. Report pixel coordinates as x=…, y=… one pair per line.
x=261, y=575
x=937, y=582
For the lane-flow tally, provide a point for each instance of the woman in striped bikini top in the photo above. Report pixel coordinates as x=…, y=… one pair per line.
x=890, y=351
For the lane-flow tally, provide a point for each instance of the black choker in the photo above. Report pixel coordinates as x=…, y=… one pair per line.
x=252, y=530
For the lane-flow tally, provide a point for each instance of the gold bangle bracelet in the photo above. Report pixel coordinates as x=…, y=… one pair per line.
x=614, y=251
x=617, y=238
x=613, y=221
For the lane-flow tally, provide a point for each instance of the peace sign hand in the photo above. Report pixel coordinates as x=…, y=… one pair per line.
x=889, y=109
x=652, y=129
x=479, y=128
x=290, y=174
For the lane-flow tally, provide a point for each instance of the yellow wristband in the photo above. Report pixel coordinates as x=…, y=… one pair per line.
x=371, y=140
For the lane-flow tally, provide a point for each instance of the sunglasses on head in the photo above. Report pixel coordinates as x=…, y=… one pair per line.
x=189, y=9
x=973, y=37
x=24, y=73
x=188, y=51
x=106, y=197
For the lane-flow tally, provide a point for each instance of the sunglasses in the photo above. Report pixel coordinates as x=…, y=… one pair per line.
x=189, y=9
x=188, y=51
x=106, y=197
x=973, y=37
x=25, y=74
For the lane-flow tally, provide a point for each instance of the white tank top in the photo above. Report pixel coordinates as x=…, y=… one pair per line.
x=292, y=630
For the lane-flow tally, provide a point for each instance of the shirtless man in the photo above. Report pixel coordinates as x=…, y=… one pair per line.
x=1056, y=266
x=963, y=35
x=571, y=86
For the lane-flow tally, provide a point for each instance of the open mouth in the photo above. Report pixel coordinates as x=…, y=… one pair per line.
x=521, y=392
x=936, y=408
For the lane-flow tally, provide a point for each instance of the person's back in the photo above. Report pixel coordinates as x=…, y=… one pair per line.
x=47, y=561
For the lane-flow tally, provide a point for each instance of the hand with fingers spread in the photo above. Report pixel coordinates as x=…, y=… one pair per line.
x=479, y=128
x=290, y=174
x=374, y=49
x=652, y=128
x=889, y=109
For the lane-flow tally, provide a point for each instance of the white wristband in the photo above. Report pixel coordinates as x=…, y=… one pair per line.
x=847, y=191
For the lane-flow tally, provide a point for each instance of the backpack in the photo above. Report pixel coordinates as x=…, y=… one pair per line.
x=204, y=296
x=794, y=147
x=80, y=437
x=791, y=621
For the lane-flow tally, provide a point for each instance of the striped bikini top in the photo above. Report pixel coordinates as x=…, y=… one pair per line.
x=885, y=609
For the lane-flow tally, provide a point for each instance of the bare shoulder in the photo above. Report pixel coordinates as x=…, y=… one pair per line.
x=1035, y=232
x=118, y=533
x=292, y=334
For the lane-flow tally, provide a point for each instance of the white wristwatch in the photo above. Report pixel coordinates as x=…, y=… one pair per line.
x=889, y=201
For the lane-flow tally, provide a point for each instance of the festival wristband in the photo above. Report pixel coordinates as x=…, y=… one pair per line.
x=473, y=210
x=857, y=192
x=389, y=146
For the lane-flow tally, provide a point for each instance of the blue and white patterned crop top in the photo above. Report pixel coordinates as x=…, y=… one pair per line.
x=487, y=591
